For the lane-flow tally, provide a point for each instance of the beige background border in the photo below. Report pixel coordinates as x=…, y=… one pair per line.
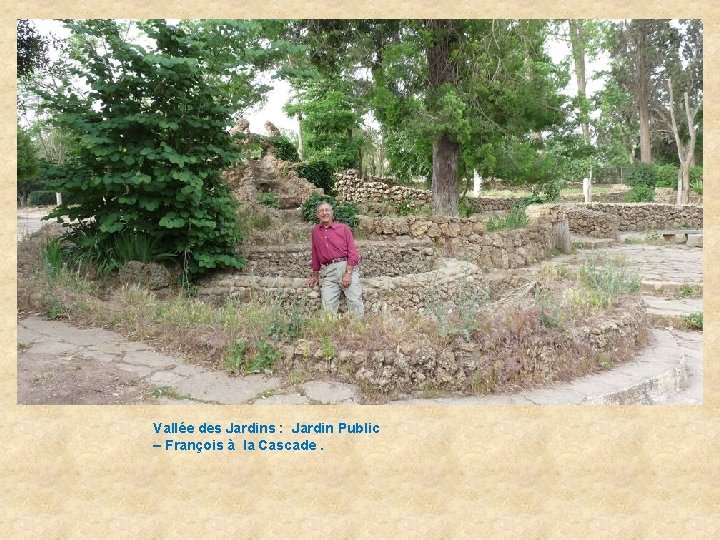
x=438, y=472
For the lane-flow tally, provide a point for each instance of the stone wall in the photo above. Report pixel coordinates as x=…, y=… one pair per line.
x=350, y=188
x=586, y=222
x=479, y=367
x=378, y=258
x=640, y=216
x=400, y=294
x=466, y=237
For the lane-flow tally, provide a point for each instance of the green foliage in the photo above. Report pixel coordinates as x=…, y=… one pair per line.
x=667, y=175
x=41, y=198
x=640, y=194
x=53, y=255
x=514, y=219
x=128, y=246
x=284, y=148
x=693, y=321
x=696, y=179
x=320, y=173
x=642, y=175
x=152, y=140
x=331, y=123
x=235, y=356
x=344, y=212
x=270, y=199
x=27, y=163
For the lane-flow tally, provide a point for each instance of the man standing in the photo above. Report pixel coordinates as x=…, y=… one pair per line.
x=334, y=263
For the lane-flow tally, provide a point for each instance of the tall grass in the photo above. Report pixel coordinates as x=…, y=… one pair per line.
x=605, y=279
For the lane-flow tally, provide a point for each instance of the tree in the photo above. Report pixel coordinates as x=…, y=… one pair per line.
x=152, y=139
x=27, y=164
x=31, y=49
x=682, y=72
x=330, y=125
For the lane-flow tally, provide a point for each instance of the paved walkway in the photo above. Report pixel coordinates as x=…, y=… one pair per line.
x=58, y=363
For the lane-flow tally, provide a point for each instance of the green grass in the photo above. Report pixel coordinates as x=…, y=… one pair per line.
x=514, y=219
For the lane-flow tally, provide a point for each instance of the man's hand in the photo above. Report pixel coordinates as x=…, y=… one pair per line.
x=314, y=281
x=346, y=280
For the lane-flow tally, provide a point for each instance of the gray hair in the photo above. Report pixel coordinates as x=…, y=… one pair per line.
x=323, y=203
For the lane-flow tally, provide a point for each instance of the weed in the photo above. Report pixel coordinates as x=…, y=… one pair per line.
x=326, y=346
x=52, y=255
x=514, y=219
x=235, y=356
x=167, y=391
x=22, y=346
x=270, y=199
x=54, y=307
x=298, y=376
x=267, y=393
x=694, y=321
x=687, y=290
x=265, y=356
x=605, y=279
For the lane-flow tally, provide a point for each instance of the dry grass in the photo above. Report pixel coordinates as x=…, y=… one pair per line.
x=534, y=336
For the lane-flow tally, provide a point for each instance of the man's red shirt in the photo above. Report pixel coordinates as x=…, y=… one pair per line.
x=332, y=242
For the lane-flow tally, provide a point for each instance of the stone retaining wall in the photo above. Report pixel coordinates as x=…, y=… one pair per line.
x=638, y=216
x=378, y=258
x=586, y=222
x=400, y=294
x=350, y=188
x=478, y=367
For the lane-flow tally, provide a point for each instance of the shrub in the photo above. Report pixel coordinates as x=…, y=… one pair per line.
x=41, y=198
x=270, y=199
x=667, y=175
x=642, y=175
x=640, y=194
x=344, y=212
x=284, y=148
x=154, y=163
x=320, y=173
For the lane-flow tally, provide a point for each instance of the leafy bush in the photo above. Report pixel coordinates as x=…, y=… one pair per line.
x=320, y=173
x=41, y=198
x=667, y=175
x=284, y=148
x=270, y=199
x=640, y=194
x=151, y=165
x=465, y=208
x=344, y=212
x=642, y=175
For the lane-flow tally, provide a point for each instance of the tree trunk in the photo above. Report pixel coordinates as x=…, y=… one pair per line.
x=443, y=69
x=642, y=92
x=561, y=236
x=446, y=156
x=301, y=151
x=577, y=42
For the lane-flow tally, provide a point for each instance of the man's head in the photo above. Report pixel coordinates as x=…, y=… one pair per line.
x=325, y=213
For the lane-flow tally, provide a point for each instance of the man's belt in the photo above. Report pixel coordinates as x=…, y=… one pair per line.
x=339, y=259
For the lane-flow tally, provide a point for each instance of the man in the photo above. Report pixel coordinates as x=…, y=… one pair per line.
x=334, y=263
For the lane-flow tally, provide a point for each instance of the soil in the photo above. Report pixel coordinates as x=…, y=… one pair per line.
x=52, y=379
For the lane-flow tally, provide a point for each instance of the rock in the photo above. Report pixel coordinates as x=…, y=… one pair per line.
x=152, y=276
